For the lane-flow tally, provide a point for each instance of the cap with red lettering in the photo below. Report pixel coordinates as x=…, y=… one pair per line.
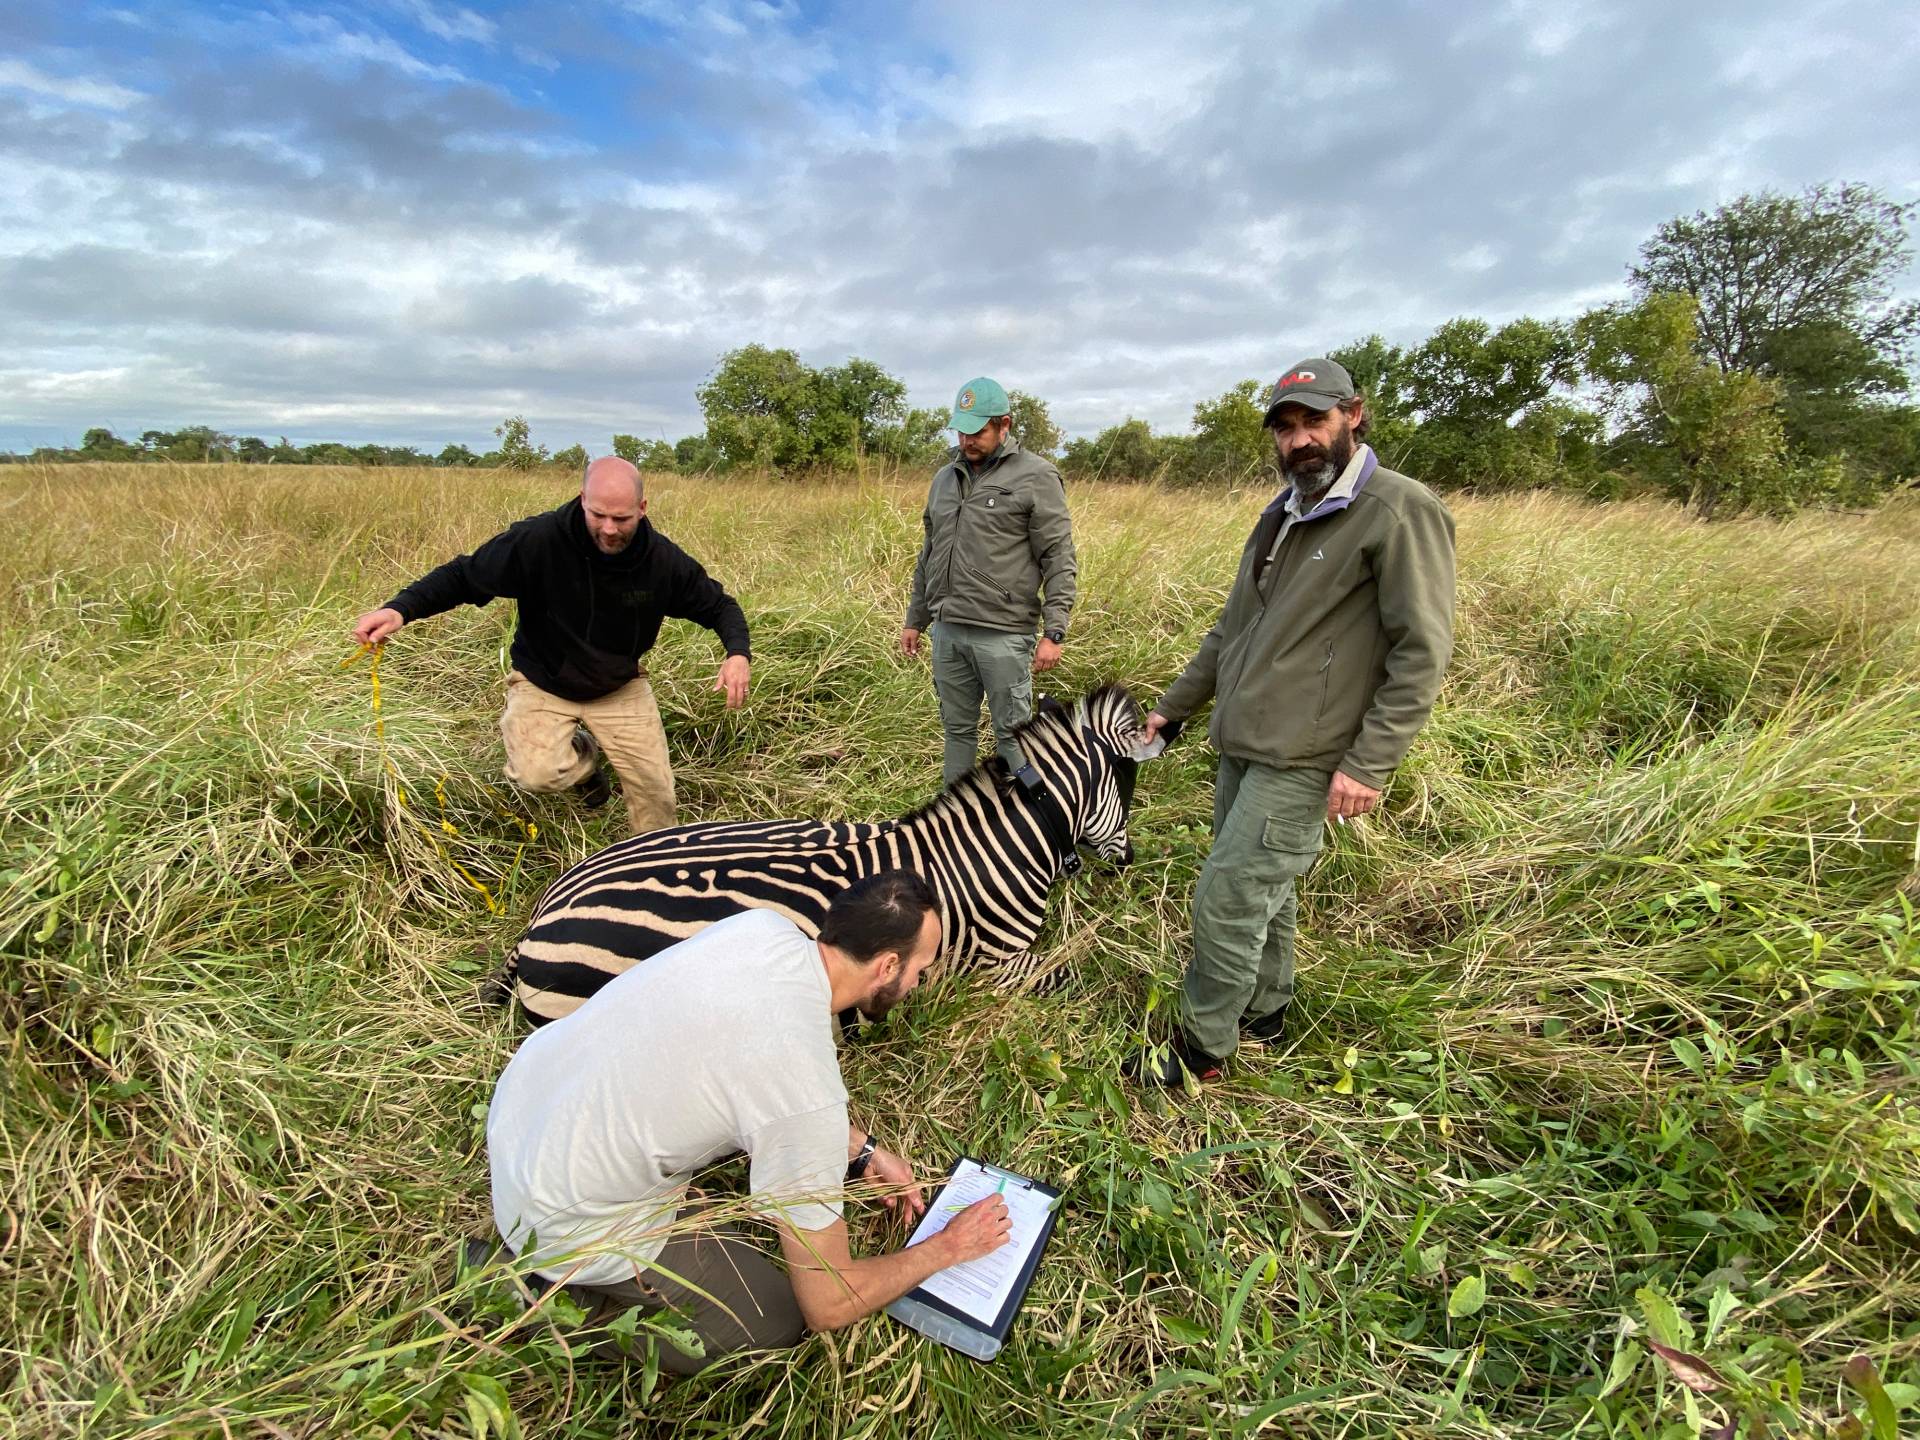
x=1318, y=384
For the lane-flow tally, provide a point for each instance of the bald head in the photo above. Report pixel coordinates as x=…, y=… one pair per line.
x=611, y=470
x=614, y=502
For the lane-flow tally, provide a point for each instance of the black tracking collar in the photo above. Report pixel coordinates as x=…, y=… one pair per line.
x=1052, y=819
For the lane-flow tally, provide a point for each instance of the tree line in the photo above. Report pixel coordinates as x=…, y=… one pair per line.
x=1762, y=362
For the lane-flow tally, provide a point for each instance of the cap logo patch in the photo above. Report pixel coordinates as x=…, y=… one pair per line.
x=1298, y=377
x=966, y=399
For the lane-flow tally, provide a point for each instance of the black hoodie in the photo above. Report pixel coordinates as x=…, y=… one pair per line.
x=586, y=617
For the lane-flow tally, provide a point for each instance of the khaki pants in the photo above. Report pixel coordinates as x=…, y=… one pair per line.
x=541, y=756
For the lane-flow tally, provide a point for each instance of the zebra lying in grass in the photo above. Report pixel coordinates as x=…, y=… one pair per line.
x=991, y=845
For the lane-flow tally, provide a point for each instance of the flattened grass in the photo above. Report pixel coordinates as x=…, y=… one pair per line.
x=1606, y=1035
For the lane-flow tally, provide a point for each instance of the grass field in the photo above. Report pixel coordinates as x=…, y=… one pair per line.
x=1606, y=1041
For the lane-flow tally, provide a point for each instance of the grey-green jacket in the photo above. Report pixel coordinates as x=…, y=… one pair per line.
x=992, y=541
x=1333, y=658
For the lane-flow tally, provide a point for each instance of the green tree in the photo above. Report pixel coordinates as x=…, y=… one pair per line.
x=1800, y=289
x=1230, y=440
x=697, y=455
x=920, y=439
x=102, y=444
x=574, y=457
x=858, y=406
x=457, y=455
x=1378, y=370
x=1033, y=426
x=1716, y=436
x=627, y=447
x=760, y=406
x=517, y=450
x=1472, y=388
x=1764, y=266
x=1127, y=451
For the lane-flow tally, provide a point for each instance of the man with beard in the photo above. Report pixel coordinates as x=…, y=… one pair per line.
x=1323, y=667
x=722, y=1043
x=996, y=532
x=594, y=580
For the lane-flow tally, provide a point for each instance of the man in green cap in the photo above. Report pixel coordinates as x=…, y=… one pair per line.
x=997, y=533
x=1322, y=668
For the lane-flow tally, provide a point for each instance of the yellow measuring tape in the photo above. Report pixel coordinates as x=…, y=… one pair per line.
x=446, y=827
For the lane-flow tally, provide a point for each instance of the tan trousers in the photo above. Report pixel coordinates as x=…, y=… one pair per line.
x=538, y=730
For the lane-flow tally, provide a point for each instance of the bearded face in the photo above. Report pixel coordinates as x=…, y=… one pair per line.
x=1313, y=455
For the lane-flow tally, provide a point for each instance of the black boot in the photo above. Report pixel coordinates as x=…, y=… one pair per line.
x=595, y=789
x=1171, y=1064
x=1269, y=1029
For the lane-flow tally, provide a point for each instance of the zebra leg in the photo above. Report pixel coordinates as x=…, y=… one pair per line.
x=1027, y=972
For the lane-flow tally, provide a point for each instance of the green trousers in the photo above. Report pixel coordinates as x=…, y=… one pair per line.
x=969, y=662
x=1267, y=828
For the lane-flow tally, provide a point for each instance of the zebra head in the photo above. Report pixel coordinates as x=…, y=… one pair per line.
x=1082, y=755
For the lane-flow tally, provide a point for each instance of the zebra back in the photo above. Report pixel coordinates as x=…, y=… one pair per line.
x=983, y=845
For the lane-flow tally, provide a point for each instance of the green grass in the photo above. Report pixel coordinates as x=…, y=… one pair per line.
x=1607, y=1033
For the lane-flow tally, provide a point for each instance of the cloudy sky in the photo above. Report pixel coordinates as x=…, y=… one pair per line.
x=404, y=219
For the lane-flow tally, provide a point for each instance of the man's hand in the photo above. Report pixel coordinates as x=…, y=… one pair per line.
x=909, y=642
x=1154, y=721
x=1347, y=797
x=376, y=625
x=980, y=1229
x=884, y=1165
x=733, y=679
x=1046, y=655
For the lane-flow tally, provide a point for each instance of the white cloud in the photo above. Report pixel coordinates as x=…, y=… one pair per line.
x=74, y=90
x=328, y=38
x=449, y=22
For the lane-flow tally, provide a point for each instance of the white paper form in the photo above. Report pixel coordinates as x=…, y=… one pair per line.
x=978, y=1288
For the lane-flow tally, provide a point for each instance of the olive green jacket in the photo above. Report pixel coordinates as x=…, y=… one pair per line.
x=1332, y=657
x=992, y=540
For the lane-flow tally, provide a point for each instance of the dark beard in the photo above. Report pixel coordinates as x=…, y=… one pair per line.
x=1313, y=470
x=884, y=999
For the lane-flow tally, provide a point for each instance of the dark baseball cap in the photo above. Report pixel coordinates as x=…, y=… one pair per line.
x=1319, y=384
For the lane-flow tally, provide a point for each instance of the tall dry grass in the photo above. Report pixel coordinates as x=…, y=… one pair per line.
x=1606, y=1034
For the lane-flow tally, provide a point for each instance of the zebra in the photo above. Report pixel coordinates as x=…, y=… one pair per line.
x=991, y=845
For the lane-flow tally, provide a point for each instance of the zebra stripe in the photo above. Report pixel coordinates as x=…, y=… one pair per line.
x=984, y=845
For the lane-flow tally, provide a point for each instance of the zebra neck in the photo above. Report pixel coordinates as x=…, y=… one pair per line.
x=1053, y=817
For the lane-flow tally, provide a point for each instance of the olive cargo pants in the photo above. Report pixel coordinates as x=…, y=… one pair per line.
x=1268, y=825
x=971, y=661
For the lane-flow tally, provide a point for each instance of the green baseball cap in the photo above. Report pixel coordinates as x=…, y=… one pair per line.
x=1318, y=384
x=979, y=401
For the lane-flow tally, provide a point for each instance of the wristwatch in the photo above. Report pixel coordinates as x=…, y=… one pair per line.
x=857, y=1166
x=1059, y=637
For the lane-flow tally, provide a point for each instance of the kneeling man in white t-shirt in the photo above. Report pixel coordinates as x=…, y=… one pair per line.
x=723, y=1043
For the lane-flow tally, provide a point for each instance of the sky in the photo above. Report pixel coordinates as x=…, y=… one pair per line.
x=403, y=220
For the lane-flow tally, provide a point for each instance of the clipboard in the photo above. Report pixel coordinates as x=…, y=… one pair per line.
x=938, y=1319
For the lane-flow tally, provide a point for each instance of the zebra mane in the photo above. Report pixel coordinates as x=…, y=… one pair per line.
x=991, y=778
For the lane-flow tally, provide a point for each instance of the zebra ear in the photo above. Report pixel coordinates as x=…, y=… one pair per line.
x=1047, y=705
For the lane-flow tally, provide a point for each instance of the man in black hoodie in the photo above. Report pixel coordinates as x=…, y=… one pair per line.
x=594, y=580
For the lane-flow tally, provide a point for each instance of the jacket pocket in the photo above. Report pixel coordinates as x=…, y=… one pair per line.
x=1326, y=685
x=985, y=581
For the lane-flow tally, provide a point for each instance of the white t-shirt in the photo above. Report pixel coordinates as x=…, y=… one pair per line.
x=719, y=1044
